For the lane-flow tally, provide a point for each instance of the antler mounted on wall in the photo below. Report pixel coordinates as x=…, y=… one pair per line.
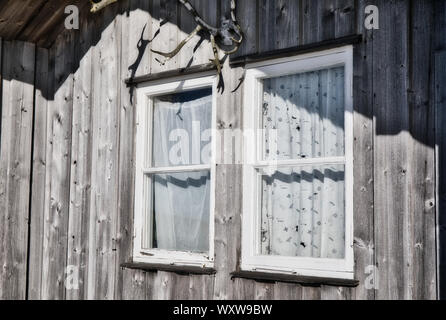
x=227, y=38
x=229, y=34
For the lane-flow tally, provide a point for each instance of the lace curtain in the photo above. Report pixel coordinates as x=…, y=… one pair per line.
x=303, y=207
x=181, y=200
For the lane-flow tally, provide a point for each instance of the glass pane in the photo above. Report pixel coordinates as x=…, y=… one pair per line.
x=307, y=112
x=303, y=212
x=182, y=128
x=181, y=211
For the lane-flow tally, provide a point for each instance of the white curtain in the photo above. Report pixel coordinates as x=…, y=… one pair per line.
x=303, y=207
x=181, y=200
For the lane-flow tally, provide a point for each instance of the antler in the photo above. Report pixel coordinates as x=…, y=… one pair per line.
x=170, y=55
x=96, y=6
x=229, y=34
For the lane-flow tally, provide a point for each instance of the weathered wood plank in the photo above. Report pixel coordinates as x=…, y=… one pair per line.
x=266, y=15
x=345, y=17
x=210, y=11
x=197, y=51
x=1, y=88
x=311, y=293
x=421, y=190
x=164, y=286
x=17, y=103
x=43, y=95
x=80, y=176
x=264, y=291
x=244, y=289
x=57, y=195
x=247, y=17
x=172, y=9
x=158, y=31
x=390, y=72
x=140, y=32
x=287, y=23
x=134, y=285
x=228, y=203
x=126, y=156
x=103, y=226
x=335, y=293
x=187, y=25
x=440, y=106
x=181, y=287
x=167, y=39
x=363, y=159
x=151, y=288
x=318, y=21
x=329, y=19
x=287, y=291
x=439, y=45
x=201, y=287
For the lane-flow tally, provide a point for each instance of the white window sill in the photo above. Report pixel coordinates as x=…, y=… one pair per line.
x=173, y=258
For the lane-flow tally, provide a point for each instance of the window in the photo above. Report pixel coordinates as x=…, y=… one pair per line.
x=298, y=184
x=175, y=170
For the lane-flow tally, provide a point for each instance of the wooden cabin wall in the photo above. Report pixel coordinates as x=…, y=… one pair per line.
x=67, y=149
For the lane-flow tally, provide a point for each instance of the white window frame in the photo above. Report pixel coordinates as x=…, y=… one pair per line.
x=142, y=213
x=251, y=259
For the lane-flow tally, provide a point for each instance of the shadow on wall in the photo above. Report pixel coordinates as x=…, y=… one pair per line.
x=169, y=11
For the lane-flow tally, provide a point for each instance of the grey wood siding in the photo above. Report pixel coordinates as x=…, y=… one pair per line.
x=67, y=148
x=17, y=93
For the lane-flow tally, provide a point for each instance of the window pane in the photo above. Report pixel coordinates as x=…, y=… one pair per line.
x=303, y=212
x=182, y=128
x=307, y=110
x=181, y=211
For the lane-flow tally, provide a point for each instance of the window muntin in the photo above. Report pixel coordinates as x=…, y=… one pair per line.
x=297, y=215
x=175, y=169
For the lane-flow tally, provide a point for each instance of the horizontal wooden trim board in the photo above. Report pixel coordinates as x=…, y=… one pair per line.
x=289, y=278
x=282, y=53
x=183, y=270
x=171, y=74
x=240, y=61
